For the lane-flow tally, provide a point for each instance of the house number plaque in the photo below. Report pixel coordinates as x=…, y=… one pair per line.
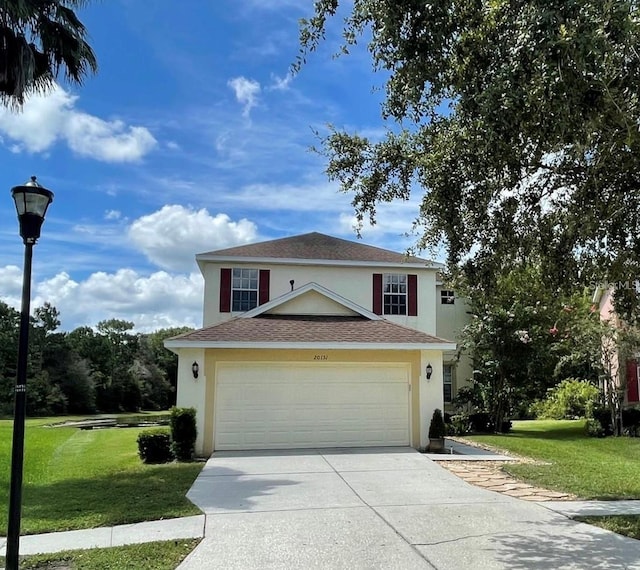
x=320, y=357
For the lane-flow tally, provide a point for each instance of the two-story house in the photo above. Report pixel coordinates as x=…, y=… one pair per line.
x=314, y=341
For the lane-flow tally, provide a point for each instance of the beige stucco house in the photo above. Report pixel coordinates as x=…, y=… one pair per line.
x=315, y=341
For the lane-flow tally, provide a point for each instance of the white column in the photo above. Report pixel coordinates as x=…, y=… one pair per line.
x=431, y=391
x=191, y=392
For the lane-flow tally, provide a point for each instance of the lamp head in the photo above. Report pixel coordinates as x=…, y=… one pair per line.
x=32, y=200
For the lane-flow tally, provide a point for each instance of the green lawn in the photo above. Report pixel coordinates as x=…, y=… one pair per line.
x=150, y=556
x=77, y=479
x=590, y=468
x=627, y=525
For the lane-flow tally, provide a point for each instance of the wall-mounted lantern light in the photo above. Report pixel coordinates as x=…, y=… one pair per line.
x=429, y=371
x=195, y=369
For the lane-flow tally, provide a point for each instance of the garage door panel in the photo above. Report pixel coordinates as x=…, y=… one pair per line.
x=268, y=405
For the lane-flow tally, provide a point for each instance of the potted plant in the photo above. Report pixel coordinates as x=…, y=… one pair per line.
x=436, y=432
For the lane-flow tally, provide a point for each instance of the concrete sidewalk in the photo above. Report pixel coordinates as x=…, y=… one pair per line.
x=103, y=537
x=194, y=527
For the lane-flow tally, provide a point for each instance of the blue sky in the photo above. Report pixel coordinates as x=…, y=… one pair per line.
x=193, y=136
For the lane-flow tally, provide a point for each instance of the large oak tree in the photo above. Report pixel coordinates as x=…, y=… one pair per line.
x=518, y=121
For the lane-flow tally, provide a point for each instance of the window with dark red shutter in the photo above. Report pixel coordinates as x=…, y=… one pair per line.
x=377, y=293
x=412, y=291
x=263, y=291
x=225, y=290
x=632, y=381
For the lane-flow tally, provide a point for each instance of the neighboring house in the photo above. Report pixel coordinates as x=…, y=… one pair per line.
x=626, y=371
x=315, y=341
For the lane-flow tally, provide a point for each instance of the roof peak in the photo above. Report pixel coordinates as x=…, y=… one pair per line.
x=315, y=246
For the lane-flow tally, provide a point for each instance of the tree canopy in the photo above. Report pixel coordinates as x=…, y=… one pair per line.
x=517, y=120
x=38, y=39
x=109, y=369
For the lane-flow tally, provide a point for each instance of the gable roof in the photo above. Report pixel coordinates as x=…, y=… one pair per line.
x=315, y=246
x=262, y=309
x=309, y=331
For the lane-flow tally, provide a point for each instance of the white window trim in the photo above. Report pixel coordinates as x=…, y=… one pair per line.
x=447, y=297
x=450, y=383
x=385, y=282
x=234, y=289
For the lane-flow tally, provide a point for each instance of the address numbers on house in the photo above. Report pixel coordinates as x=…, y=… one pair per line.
x=320, y=357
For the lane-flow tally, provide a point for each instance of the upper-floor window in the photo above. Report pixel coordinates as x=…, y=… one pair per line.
x=244, y=289
x=447, y=297
x=447, y=383
x=395, y=294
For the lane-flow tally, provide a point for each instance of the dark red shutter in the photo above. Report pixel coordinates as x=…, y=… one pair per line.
x=225, y=290
x=632, y=381
x=263, y=287
x=412, y=290
x=377, y=293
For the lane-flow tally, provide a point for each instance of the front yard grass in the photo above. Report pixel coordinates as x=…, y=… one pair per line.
x=76, y=479
x=567, y=460
x=627, y=525
x=149, y=556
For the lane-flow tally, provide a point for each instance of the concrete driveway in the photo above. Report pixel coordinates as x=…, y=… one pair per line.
x=379, y=508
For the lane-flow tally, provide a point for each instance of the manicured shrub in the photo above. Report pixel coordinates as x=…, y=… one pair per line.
x=154, y=446
x=459, y=424
x=436, y=428
x=481, y=422
x=571, y=399
x=631, y=421
x=603, y=416
x=593, y=428
x=183, y=433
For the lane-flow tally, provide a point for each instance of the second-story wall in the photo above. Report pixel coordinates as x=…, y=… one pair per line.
x=352, y=281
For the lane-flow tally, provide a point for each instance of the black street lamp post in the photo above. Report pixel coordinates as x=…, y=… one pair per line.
x=32, y=201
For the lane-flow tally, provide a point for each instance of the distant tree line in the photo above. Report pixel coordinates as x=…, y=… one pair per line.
x=105, y=369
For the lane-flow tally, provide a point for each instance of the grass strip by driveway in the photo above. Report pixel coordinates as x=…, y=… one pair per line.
x=149, y=556
x=569, y=461
x=76, y=479
x=627, y=525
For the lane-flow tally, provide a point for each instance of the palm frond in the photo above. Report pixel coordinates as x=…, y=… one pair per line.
x=39, y=38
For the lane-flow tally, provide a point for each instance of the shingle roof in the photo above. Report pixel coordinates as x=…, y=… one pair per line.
x=311, y=329
x=316, y=246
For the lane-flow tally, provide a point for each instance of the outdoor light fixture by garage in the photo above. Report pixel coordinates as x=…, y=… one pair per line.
x=32, y=201
x=195, y=369
x=429, y=371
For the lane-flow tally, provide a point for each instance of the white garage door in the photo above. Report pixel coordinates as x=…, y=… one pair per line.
x=275, y=406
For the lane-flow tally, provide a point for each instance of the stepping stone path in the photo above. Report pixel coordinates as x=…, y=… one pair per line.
x=489, y=475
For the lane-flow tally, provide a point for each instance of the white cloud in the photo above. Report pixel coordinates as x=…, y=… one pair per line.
x=112, y=215
x=246, y=91
x=47, y=119
x=109, y=141
x=280, y=83
x=173, y=235
x=11, y=284
x=151, y=302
